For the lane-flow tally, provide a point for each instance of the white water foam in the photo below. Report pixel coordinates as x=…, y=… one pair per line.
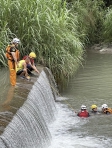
x=64, y=134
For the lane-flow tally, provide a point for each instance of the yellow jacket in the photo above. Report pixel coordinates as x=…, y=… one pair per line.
x=20, y=65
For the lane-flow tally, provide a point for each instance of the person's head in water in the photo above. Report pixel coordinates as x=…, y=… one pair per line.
x=104, y=107
x=94, y=108
x=83, y=107
x=83, y=113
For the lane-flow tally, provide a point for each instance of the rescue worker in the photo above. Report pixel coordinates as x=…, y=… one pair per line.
x=31, y=65
x=106, y=109
x=21, y=70
x=83, y=113
x=94, y=108
x=12, y=54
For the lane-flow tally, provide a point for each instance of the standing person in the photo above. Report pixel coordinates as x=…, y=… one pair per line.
x=21, y=70
x=31, y=65
x=12, y=54
x=83, y=113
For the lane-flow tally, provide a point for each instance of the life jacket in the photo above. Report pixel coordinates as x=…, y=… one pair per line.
x=9, y=55
x=83, y=113
x=108, y=110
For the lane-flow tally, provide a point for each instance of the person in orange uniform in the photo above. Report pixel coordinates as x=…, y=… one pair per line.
x=31, y=65
x=12, y=54
x=106, y=109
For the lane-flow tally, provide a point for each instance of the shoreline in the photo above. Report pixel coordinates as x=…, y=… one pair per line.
x=101, y=48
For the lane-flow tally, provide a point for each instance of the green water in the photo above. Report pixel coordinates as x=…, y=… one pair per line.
x=93, y=85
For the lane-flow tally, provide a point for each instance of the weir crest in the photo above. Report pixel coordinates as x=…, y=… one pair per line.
x=29, y=126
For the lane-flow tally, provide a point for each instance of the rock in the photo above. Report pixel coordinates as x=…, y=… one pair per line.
x=106, y=50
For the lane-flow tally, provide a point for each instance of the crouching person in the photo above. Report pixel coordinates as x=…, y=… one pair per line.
x=21, y=69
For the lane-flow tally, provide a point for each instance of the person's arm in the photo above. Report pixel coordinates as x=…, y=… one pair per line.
x=13, y=52
x=34, y=67
x=24, y=66
x=14, y=57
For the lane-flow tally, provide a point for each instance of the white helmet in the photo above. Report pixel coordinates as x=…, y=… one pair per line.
x=16, y=40
x=83, y=107
x=104, y=106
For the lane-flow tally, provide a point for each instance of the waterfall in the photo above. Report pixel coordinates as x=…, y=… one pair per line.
x=29, y=126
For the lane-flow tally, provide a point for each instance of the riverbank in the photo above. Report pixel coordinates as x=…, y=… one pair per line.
x=101, y=48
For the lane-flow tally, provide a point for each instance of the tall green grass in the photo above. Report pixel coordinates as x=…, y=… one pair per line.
x=46, y=27
x=90, y=18
x=107, y=26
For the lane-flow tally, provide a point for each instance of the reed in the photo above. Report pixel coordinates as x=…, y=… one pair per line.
x=90, y=18
x=46, y=27
x=107, y=26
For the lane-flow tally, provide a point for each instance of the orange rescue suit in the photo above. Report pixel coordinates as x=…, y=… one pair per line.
x=11, y=62
x=108, y=110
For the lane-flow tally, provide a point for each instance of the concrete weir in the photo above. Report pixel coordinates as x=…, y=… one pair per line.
x=27, y=112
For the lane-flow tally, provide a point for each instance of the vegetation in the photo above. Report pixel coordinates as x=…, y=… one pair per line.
x=107, y=26
x=57, y=31
x=90, y=17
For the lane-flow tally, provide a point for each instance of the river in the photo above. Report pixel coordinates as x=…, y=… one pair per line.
x=91, y=85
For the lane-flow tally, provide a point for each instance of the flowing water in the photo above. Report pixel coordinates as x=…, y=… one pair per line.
x=43, y=123
x=91, y=85
x=29, y=126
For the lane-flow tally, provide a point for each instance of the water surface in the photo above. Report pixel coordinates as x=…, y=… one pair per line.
x=91, y=85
